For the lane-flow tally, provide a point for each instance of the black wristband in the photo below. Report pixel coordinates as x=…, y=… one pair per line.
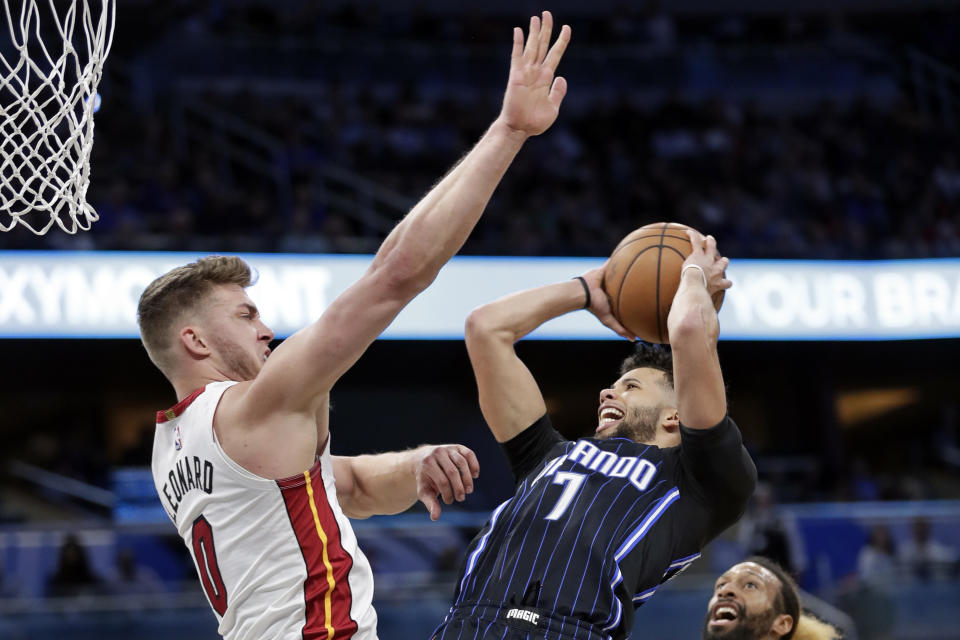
x=586, y=290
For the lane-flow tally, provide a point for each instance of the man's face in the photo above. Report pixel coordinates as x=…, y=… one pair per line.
x=638, y=406
x=743, y=604
x=236, y=335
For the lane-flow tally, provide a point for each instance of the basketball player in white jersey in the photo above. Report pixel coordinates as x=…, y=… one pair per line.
x=242, y=462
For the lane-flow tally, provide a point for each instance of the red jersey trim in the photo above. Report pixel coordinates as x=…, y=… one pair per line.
x=300, y=479
x=326, y=588
x=179, y=408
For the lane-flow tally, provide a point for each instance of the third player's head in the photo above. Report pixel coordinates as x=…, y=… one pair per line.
x=642, y=404
x=753, y=600
x=198, y=321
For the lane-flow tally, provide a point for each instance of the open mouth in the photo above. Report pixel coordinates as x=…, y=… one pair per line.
x=609, y=416
x=724, y=615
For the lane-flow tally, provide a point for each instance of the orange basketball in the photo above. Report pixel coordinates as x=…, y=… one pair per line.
x=642, y=277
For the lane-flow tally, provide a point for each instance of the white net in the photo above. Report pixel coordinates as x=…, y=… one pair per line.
x=49, y=72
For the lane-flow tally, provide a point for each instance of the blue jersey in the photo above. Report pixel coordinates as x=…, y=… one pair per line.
x=597, y=525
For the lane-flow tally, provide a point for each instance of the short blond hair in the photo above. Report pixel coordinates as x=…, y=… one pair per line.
x=810, y=627
x=180, y=291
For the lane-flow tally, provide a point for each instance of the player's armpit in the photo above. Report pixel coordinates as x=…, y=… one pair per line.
x=345, y=480
x=528, y=448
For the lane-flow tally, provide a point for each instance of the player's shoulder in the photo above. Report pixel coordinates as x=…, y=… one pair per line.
x=232, y=400
x=210, y=392
x=556, y=448
x=625, y=447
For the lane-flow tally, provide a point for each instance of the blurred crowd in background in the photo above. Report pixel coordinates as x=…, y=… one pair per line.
x=232, y=126
x=840, y=173
x=829, y=183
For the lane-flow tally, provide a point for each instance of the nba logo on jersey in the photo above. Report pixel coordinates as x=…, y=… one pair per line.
x=178, y=443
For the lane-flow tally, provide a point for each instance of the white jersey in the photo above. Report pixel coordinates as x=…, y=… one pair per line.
x=276, y=558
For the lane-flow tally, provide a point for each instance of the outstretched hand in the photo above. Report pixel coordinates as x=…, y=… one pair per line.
x=445, y=472
x=533, y=96
x=600, y=303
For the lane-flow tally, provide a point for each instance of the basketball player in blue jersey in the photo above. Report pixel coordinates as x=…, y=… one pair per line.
x=598, y=524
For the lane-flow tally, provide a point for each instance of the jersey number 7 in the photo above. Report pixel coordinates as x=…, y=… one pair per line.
x=572, y=482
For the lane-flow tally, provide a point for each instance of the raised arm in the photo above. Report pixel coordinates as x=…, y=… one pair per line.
x=719, y=469
x=510, y=399
x=302, y=370
x=694, y=328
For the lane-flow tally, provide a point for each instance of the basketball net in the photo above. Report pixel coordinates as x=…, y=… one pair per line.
x=49, y=73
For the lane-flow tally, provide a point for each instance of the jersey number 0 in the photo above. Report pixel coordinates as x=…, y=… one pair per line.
x=206, y=556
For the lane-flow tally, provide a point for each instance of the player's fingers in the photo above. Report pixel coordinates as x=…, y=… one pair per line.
x=710, y=246
x=616, y=327
x=463, y=468
x=533, y=40
x=558, y=90
x=438, y=478
x=723, y=263
x=471, y=459
x=612, y=323
x=432, y=505
x=546, y=31
x=556, y=51
x=451, y=476
x=517, y=44
x=696, y=239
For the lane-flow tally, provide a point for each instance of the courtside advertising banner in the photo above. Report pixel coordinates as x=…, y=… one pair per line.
x=94, y=295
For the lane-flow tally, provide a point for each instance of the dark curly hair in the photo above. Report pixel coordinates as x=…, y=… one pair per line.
x=650, y=356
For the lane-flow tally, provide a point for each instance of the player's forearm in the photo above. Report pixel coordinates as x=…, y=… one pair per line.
x=510, y=398
x=693, y=327
x=383, y=484
x=514, y=316
x=692, y=312
x=436, y=228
